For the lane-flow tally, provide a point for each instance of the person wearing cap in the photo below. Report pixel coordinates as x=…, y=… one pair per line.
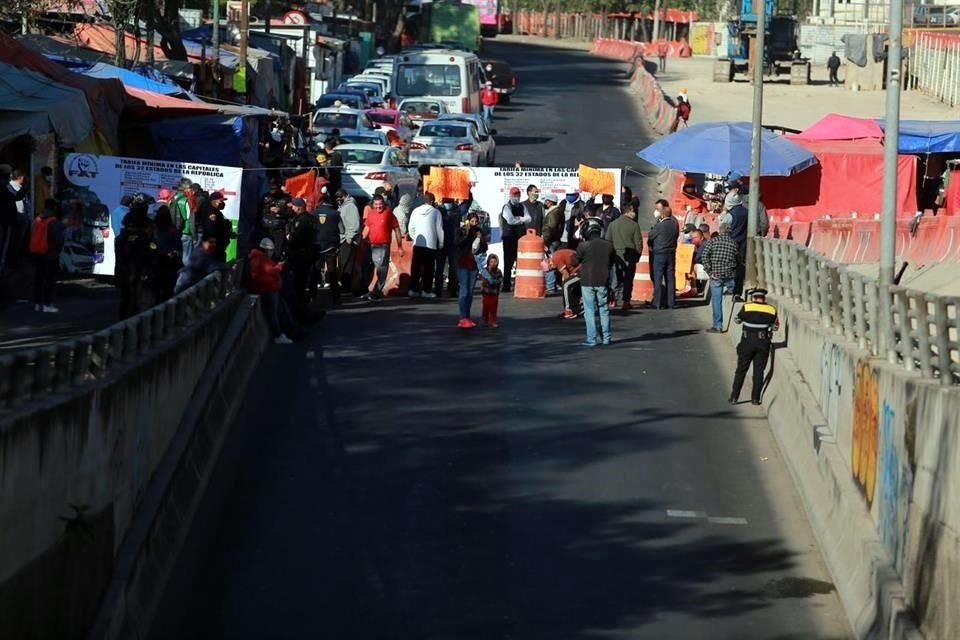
x=329, y=231
x=488, y=99
x=572, y=218
x=267, y=282
x=759, y=320
x=349, y=241
x=275, y=213
x=215, y=225
x=595, y=255
x=720, y=260
x=513, y=218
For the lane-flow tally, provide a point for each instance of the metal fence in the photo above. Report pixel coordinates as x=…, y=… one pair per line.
x=32, y=373
x=935, y=67
x=923, y=334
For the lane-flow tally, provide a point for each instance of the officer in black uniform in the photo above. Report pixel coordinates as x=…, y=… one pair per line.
x=759, y=321
x=327, y=240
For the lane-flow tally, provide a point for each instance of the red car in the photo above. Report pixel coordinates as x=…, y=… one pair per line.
x=395, y=120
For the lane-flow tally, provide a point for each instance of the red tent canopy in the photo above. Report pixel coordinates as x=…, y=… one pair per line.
x=151, y=101
x=847, y=179
x=834, y=126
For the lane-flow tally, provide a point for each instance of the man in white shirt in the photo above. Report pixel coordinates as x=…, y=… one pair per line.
x=425, y=228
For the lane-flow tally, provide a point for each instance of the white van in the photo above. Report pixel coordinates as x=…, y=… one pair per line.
x=451, y=76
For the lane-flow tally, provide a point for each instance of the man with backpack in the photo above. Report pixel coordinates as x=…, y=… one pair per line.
x=46, y=243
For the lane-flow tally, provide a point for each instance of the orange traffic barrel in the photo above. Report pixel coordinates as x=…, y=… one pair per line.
x=642, y=281
x=530, y=254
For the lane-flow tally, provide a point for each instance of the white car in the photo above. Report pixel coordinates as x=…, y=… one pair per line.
x=421, y=110
x=76, y=258
x=367, y=166
x=488, y=146
x=387, y=76
x=348, y=121
x=375, y=137
x=447, y=143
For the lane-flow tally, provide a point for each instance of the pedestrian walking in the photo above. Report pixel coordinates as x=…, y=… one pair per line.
x=513, y=221
x=490, y=284
x=833, y=66
x=266, y=281
x=350, y=272
x=379, y=225
x=682, y=116
x=488, y=99
x=595, y=255
x=470, y=244
x=329, y=230
x=426, y=231
x=624, y=234
x=402, y=212
x=46, y=243
x=662, y=241
x=662, y=56
x=720, y=260
x=759, y=321
x=446, y=258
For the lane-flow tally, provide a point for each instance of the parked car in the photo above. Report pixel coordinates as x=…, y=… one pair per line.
x=488, y=146
x=447, y=143
x=421, y=110
x=385, y=75
x=502, y=76
x=373, y=90
x=348, y=121
x=76, y=258
x=943, y=16
x=396, y=120
x=353, y=99
x=367, y=166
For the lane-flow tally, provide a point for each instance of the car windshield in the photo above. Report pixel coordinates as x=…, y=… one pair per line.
x=428, y=80
x=362, y=140
x=383, y=118
x=361, y=156
x=352, y=101
x=412, y=106
x=340, y=120
x=443, y=131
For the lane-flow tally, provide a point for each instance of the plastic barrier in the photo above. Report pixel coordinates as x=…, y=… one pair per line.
x=642, y=282
x=824, y=237
x=683, y=269
x=530, y=282
x=864, y=244
x=398, y=276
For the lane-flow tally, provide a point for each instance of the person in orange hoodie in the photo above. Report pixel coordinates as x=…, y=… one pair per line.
x=265, y=280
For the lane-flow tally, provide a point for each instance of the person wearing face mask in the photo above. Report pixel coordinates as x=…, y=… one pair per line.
x=513, y=221
x=608, y=211
x=662, y=241
x=534, y=208
x=573, y=212
x=218, y=227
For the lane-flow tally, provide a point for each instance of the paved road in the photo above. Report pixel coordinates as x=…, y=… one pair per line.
x=395, y=477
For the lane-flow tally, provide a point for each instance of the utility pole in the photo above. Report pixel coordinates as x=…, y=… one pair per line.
x=216, y=48
x=891, y=144
x=754, y=202
x=656, y=21
x=244, y=29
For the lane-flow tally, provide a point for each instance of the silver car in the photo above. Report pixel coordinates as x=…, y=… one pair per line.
x=488, y=146
x=447, y=143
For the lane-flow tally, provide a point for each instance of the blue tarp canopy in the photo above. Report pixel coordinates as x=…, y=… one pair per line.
x=201, y=39
x=721, y=147
x=133, y=79
x=928, y=136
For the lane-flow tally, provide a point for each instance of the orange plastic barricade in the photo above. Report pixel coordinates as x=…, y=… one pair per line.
x=824, y=238
x=398, y=276
x=642, y=282
x=951, y=239
x=865, y=245
x=530, y=254
x=904, y=240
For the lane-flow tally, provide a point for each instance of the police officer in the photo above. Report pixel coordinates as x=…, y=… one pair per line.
x=329, y=228
x=301, y=254
x=759, y=321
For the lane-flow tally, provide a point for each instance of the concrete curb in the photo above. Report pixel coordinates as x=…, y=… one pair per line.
x=867, y=584
x=148, y=552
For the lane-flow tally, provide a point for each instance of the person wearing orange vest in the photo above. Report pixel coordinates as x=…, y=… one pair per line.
x=489, y=99
x=46, y=243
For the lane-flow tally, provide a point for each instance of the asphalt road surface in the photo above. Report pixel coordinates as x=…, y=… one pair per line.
x=395, y=477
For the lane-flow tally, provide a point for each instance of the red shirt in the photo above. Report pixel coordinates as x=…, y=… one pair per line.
x=264, y=272
x=380, y=223
x=488, y=97
x=563, y=258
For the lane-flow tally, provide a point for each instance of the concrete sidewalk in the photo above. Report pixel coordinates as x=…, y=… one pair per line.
x=86, y=305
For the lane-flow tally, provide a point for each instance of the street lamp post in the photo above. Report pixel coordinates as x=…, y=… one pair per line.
x=754, y=201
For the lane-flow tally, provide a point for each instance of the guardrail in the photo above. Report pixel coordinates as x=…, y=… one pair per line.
x=33, y=373
x=923, y=334
x=936, y=66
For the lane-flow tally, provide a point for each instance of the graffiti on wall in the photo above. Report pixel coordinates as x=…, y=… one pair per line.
x=831, y=383
x=863, y=457
x=895, y=469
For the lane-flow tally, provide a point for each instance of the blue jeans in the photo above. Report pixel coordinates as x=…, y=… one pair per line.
x=380, y=254
x=488, y=114
x=187, y=243
x=594, y=300
x=466, y=278
x=717, y=287
x=664, y=268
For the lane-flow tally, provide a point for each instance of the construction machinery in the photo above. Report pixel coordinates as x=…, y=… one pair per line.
x=781, y=55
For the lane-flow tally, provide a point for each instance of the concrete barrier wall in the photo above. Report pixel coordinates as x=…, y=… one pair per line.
x=75, y=467
x=875, y=452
